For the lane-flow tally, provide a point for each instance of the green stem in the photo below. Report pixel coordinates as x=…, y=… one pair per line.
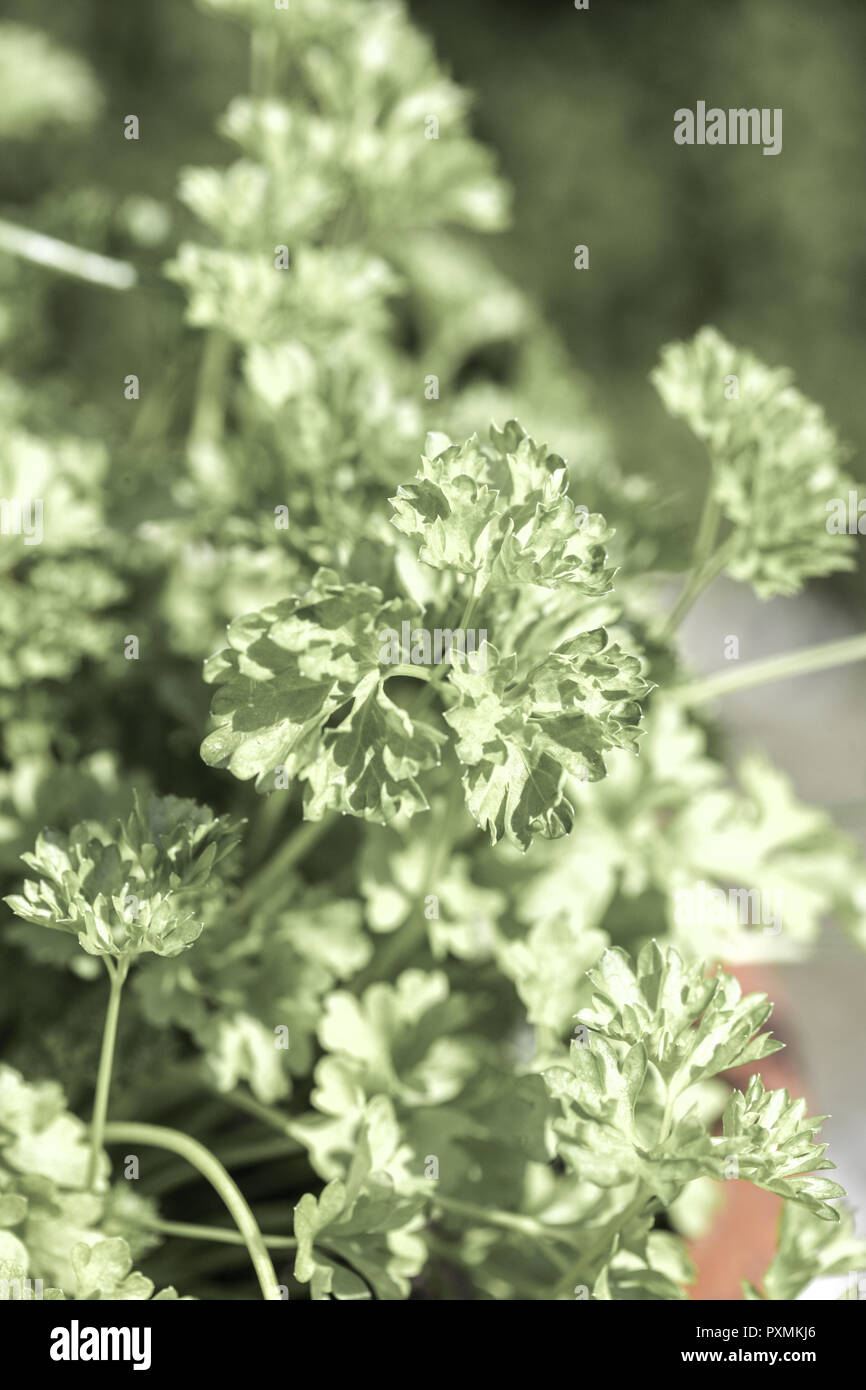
x=776, y=668
x=302, y=839
x=261, y=1150
x=700, y=580
x=419, y=673
x=264, y=824
x=438, y=675
x=507, y=1220
x=268, y=1115
x=223, y=1184
x=69, y=260
x=117, y=975
x=191, y=1231
x=218, y=1234
x=206, y=426
x=708, y=529
x=702, y=549
x=263, y=64
x=608, y=1233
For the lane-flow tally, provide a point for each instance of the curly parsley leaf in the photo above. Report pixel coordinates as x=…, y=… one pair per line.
x=132, y=887
x=653, y=1035
x=521, y=735
x=501, y=513
x=810, y=1248
x=301, y=695
x=777, y=463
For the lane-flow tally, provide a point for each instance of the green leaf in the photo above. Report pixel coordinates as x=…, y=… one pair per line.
x=38, y=1136
x=362, y=1222
x=776, y=461
x=42, y=83
x=810, y=1247
x=692, y=1027
x=548, y=967
x=287, y=672
x=647, y=1266
x=132, y=887
x=238, y=1047
x=773, y=1142
x=628, y=1092
x=104, y=1271
x=520, y=735
x=501, y=514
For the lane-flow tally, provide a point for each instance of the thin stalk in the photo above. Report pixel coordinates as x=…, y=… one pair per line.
x=608, y=1233
x=821, y=657
x=263, y=64
x=419, y=673
x=117, y=976
x=438, y=675
x=223, y=1184
x=265, y=822
x=208, y=414
x=69, y=260
x=260, y=1150
x=708, y=529
x=268, y=1115
x=700, y=580
x=190, y=1231
x=302, y=839
x=507, y=1220
x=702, y=549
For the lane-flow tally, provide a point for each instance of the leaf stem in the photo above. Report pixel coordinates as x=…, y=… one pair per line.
x=708, y=529
x=263, y=64
x=302, y=839
x=268, y=1114
x=821, y=657
x=507, y=1220
x=700, y=579
x=117, y=976
x=609, y=1232
x=418, y=673
x=191, y=1231
x=206, y=426
x=223, y=1184
x=437, y=676
x=69, y=260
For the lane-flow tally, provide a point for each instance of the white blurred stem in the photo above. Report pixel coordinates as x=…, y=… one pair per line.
x=68, y=260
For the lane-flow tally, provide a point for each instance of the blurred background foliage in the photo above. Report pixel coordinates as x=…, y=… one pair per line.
x=770, y=249
x=579, y=107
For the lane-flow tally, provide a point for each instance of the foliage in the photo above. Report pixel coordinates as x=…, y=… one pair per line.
x=407, y=936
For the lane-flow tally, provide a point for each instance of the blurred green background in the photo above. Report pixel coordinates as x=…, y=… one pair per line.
x=579, y=105
x=771, y=249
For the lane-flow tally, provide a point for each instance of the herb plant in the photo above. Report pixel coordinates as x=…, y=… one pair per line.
x=404, y=947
